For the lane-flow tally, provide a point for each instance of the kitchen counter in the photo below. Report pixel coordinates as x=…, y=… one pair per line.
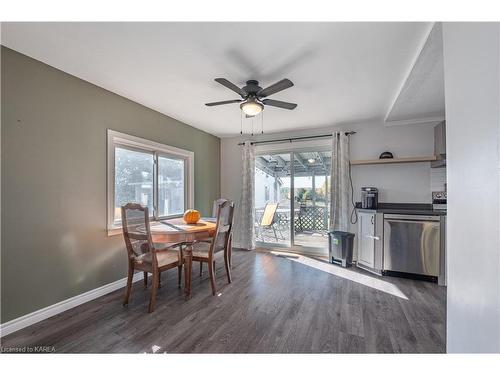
x=391, y=245
x=404, y=209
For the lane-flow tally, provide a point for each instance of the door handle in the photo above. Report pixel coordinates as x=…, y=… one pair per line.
x=373, y=218
x=373, y=237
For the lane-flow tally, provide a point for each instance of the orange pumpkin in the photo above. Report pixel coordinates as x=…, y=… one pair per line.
x=191, y=216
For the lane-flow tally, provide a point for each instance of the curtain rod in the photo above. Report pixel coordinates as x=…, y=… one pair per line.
x=294, y=139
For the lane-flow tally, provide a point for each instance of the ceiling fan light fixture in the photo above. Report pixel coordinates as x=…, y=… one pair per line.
x=251, y=107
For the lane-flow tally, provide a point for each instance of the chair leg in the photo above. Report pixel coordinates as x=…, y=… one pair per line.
x=281, y=233
x=179, y=274
x=227, y=264
x=154, y=286
x=145, y=279
x=188, y=266
x=211, y=267
x=159, y=280
x=201, y=268
x=230, y=250
x=129, y=284
x=275, y=235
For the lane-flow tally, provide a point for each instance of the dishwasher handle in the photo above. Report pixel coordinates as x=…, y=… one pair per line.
x=412, y=218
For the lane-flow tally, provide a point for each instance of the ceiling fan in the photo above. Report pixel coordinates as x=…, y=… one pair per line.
x=253, y=97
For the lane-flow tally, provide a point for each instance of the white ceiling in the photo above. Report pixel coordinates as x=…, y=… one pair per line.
x=343, y=72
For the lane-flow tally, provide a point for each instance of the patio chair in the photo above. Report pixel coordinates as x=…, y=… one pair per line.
x=300, y=218
x=268, y=220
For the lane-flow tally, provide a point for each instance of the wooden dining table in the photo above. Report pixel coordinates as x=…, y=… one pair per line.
x=177, y=231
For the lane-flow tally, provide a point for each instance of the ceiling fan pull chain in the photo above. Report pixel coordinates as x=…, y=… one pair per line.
x=241, y=123
x=262, y=123
x=252, y=125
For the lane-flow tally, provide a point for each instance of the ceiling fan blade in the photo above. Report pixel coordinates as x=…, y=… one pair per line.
x=279, y=103
x=223, y=102
x=277, y=87
x=231, y=86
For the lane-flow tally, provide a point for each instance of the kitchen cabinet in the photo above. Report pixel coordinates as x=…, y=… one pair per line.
x=370, y=245
x=366, y=243
x=439, y=146
x=440, y=140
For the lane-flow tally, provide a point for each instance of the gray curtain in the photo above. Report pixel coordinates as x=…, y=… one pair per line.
x=246, y=227
x=340, y=185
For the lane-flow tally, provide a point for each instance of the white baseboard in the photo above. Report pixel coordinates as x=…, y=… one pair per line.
x=49, y=311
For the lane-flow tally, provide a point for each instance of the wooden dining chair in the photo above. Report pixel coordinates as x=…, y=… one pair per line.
x=215, y=212
x=208, y=252
x=141, y=251
x=216, y=205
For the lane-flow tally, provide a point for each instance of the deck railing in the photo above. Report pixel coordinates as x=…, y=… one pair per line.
x=307, y=218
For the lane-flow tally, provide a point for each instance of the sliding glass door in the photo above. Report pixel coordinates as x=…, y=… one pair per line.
x=273, y=199
x=292, y=200
x=312, y=200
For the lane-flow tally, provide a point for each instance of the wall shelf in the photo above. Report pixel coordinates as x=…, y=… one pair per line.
x=415, y=159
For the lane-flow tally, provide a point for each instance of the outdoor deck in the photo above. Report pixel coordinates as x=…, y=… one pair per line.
x=310, y=223
x=313, y=239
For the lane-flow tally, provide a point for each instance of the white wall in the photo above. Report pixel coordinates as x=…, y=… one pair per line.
x=399, y=183
x=472, y=74
x=264, y=181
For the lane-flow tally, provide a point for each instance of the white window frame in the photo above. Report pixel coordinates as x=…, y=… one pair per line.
x=115, y=139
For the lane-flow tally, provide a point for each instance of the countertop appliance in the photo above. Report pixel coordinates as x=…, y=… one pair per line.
x=413, y=244
x=369, y=197
x=439, y=200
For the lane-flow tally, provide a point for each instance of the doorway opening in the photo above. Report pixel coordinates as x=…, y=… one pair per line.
x=292, y=200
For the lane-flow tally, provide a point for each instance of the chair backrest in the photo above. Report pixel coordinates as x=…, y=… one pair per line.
x=217, y=203
x=224, y=227
x=136, y=230
x=268, y=215
x=302, y=209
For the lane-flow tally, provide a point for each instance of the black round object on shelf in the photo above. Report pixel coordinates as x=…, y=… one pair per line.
x=386, y=155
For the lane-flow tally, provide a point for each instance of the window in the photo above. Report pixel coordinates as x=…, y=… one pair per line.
x=149, y=173
x=170, y=186
x=134, y=172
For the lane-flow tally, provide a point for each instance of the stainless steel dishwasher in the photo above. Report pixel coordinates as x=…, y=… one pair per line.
x=412, y=244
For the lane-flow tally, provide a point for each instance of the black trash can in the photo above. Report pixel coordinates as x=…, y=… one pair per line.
x=340, y=247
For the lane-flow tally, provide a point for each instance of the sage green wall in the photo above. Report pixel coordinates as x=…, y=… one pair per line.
x=54, y=241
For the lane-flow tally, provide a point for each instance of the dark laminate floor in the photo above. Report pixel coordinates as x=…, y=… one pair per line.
x=274, y=305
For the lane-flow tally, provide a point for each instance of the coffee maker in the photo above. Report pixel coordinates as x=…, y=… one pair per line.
x=369, y=197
